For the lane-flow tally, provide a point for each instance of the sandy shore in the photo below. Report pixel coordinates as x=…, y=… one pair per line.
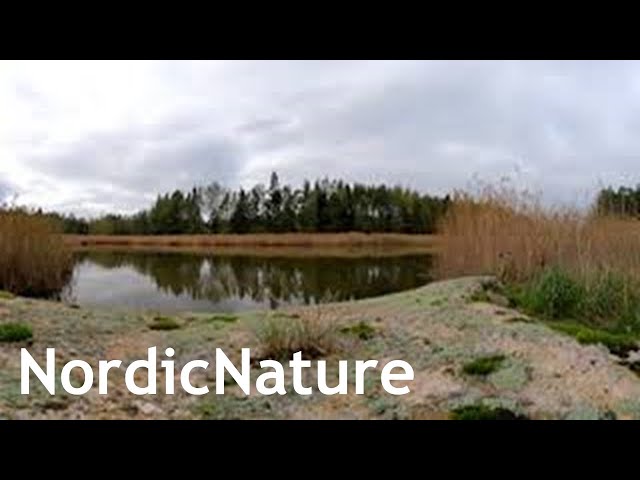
x=437, y=329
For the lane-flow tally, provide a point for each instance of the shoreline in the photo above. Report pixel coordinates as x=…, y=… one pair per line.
x=438, y=329
x=263, y=240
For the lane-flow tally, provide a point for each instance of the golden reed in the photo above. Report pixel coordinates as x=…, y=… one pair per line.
x=34, y=259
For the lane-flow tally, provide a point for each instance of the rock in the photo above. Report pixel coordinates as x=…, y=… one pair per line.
x=148, y=408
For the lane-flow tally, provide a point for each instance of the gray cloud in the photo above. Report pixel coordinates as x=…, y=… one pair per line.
x=565, y=127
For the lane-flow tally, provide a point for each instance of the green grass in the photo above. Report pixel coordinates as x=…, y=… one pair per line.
x=617, y=343
x=606, y=310
x=223, y=318
x=4, y=295
x=15, y=332
x=361, y=330
x=483, y=412
x=164, y=323
x=483, y=365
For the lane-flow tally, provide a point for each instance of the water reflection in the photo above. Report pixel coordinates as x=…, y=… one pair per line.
x=185, y=281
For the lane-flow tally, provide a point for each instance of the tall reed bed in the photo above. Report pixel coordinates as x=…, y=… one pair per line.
x=34, y=260
x=557, y=262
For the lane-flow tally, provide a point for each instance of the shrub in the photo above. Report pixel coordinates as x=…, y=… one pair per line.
x=280, y=337
x=34, y=260
x=15, y=332
x=483, y=365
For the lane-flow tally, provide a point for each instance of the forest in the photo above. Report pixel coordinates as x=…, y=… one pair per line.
x=623, y=202
x=324, y=206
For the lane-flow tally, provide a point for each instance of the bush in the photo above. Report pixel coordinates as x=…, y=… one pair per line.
x=34, y=260
x=483, y=365
x=281, y=337
x=15, y=332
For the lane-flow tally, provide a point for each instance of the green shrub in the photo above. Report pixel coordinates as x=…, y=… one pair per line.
x=15, y=332
x=553, y=294
x=164, y=323
x=483, y=365
x=483, y=412
x=361, y=330
x=6, y=295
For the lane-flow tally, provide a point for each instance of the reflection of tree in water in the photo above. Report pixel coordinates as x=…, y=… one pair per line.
x=275, y=279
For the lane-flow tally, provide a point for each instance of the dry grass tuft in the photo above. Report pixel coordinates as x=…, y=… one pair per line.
x=279, y=336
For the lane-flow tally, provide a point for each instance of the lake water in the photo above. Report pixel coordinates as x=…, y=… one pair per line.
x=208, y=282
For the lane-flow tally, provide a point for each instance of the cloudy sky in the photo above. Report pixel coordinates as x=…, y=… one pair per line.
x=90, y=137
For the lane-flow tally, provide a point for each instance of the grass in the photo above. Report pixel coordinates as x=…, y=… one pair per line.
x=558, y=264
x=6, y=295
x=484, y=365
x=34, y=259
x=223, y=318
x=15, y=332
x=484, y=412
x=617, y=343
x=280, y=337
x=361, y=330
x=164, y=323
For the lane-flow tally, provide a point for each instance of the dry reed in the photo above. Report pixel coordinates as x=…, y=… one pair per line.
x=512, y=235
x=34, y=260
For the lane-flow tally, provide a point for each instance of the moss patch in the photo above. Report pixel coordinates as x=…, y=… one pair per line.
x=15, y=332
x=223, y=318
x=617, y=343
x=361, y=330
x=164, y=323
x=484, y=412
x=484, y=365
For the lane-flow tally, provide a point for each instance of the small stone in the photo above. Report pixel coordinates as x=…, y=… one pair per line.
x=149, y=409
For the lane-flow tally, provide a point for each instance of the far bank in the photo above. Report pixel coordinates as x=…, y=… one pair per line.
x=322, y=240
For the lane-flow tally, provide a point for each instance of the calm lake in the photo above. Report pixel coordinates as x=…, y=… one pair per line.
x=176, y=281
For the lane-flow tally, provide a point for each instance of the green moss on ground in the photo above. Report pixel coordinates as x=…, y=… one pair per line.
x=15, y=332
x=484, y=365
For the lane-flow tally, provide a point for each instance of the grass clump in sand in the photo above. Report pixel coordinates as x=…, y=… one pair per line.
x=280, y=337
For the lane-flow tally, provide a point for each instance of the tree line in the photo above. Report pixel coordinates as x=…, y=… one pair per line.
x=324, y=206
x=624, y=201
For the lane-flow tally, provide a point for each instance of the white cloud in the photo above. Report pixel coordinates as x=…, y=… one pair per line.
x=94, y=136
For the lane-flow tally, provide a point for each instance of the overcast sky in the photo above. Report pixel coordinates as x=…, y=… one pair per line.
x=91, y=137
